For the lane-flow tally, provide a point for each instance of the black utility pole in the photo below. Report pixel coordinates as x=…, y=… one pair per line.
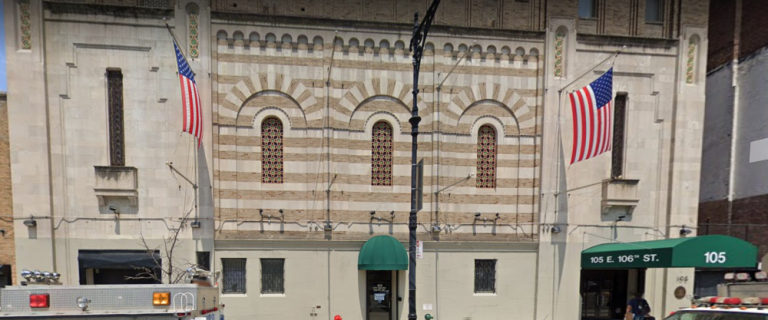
x=417, y=47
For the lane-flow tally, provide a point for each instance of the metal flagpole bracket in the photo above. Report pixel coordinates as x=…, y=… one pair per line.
x=170, y=165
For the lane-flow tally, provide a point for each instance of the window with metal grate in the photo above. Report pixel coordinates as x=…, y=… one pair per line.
x=234, y=275
x=485, y=276
x=272, y=151
x=486, y=157
x=619, y=124
x=272, y=276
x=381, y=154
x=116, y=126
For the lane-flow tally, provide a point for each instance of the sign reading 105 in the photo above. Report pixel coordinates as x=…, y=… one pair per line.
x=715, y=257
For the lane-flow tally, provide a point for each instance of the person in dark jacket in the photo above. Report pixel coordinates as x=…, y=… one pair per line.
x=639, y=307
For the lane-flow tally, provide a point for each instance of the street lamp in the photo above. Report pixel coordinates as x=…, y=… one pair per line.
x=417, y=48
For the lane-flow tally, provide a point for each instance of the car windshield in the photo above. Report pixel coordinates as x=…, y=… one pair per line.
x=716, y=315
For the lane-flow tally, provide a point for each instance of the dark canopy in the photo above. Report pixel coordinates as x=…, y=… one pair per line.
x=712, y=251
x=117, y=259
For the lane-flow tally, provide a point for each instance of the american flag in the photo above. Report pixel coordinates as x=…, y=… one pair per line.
x=592, y=118
x=193, y=112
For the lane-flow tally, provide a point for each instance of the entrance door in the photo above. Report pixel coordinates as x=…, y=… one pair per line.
x=379, y=291
x=603, y=294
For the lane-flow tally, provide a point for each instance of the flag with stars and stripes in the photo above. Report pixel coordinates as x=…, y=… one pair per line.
x=190, y=97
x=592, y=118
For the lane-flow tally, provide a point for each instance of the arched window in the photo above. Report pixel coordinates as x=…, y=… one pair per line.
x=381, y=154
x=486, y=157
x=221, y=37
x=272, y=151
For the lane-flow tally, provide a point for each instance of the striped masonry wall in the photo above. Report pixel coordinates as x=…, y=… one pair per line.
x=263, y=79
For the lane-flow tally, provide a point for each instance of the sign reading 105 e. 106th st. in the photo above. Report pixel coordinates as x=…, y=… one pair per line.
x=696, y=252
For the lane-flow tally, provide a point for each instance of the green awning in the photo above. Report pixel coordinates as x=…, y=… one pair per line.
x=382, y=253
x=713, y=251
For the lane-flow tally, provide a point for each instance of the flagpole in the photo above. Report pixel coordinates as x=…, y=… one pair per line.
x=174, y=37
x=194, y=185
x=197, y=173
x=559, y=134
x=614, y=55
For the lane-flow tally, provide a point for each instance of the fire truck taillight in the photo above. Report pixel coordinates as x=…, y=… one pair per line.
x=39, y=300
x=207, y=311
x=161, y=298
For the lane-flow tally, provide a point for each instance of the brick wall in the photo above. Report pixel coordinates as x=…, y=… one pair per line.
x=748, y=222
x=563, y=8
x=374, y=88
x=7, y=246
x=694, y=13
x=722, y=21
x=618, y=18
x=754, y=27
x=721, y=28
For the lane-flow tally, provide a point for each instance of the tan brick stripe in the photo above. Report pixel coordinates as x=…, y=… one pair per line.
x=287, y=195
x=373, y=65
x=366, y=144
x=319, y=106
x=343, y=125
x=365, y=216
x=345, y=85
x=360, y=179
x=319, y=235
x=357, y=159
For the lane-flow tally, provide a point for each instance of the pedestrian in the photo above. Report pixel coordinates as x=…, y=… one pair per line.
x=639, y=307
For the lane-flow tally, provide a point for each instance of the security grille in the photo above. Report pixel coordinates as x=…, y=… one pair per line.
x=272, y=276
x=485, y=276
x=116, y=134
x=619, y=122
x=234, y=275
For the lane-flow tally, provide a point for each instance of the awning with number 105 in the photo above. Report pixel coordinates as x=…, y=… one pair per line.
x=712, y=251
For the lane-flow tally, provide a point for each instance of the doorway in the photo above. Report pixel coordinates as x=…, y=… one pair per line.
x=380, y=292
x=605, y=293
x=5, y=275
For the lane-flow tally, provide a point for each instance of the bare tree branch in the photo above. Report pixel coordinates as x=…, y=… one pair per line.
x=171, y=270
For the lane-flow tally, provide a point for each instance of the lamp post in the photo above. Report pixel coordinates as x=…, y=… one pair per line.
x=417, y=48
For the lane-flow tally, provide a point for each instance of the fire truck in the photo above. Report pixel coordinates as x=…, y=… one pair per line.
x=42, y=297
x=724, y=308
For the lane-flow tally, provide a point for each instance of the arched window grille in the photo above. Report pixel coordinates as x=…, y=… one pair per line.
x=486, y=157
x=272, y=151
x=381, y=154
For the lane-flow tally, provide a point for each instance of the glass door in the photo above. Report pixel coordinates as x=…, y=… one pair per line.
x=603, y=294
x=379, y=291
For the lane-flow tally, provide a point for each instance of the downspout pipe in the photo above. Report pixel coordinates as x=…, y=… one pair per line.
x=735, y=120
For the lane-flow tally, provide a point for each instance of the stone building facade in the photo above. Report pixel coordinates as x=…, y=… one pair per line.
x=306, y=147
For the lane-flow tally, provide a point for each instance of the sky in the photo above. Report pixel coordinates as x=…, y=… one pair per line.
x=3, y=78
